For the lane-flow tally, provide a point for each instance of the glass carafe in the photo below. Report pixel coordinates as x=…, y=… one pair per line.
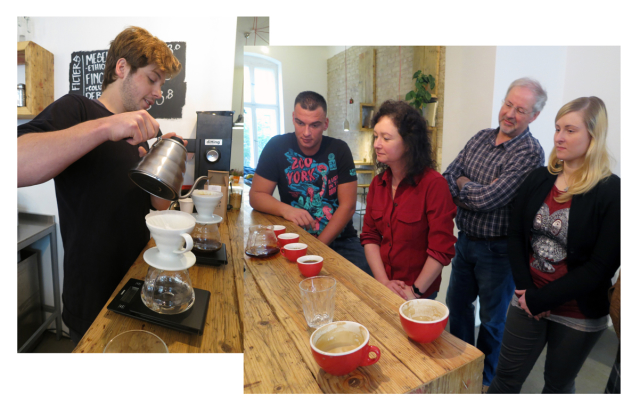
x=168, y=292
x=206, y=237
x=261, y=241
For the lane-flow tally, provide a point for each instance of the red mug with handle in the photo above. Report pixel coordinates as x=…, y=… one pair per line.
x=342, y=346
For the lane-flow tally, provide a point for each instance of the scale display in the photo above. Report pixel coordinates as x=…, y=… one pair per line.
x=128, y=302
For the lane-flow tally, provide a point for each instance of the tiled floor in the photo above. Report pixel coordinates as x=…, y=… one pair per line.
x=50, y=345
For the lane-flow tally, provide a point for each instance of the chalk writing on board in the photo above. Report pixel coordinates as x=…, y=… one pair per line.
x=86, y=75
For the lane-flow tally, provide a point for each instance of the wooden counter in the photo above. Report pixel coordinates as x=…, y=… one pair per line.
x=223, y=327
x=277, y=354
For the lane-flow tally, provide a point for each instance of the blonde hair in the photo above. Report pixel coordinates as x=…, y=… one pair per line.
x=596, y=166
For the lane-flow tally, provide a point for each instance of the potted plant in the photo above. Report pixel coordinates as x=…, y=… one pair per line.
x=421, y=97
x=236, y=176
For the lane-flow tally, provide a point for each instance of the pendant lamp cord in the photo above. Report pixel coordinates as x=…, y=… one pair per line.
x=400, y=74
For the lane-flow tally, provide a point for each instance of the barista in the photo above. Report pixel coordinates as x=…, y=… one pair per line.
x=88, y=147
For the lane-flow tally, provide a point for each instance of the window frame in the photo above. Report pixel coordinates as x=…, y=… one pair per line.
x=252, y=61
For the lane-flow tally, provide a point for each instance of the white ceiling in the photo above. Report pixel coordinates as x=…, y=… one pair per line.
x=248, y=25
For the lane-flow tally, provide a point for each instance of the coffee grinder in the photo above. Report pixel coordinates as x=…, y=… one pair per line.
x=214, y=137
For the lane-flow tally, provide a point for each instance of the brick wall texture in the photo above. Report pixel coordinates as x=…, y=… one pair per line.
x=390, y=62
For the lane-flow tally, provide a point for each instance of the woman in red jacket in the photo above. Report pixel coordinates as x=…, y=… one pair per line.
x=408, y=225
x=564, y=246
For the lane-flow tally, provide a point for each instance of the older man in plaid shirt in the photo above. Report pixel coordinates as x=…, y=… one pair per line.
x=483, y=180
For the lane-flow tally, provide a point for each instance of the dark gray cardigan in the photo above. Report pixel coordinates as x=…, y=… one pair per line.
x=594, y=241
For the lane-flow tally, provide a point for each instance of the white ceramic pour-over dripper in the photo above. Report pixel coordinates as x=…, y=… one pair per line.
x=205, y=202
x=168, y=229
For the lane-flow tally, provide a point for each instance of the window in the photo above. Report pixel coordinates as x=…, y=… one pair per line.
x=262, y=104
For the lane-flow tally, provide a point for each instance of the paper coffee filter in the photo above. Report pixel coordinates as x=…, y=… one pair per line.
x=173, y=221
x=207, y=193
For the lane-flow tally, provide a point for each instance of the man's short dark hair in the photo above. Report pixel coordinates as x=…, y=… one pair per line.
x=310, y=100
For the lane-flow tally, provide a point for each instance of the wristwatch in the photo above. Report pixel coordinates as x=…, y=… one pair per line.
x=416, y=291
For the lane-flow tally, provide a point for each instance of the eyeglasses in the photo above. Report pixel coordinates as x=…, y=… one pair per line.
x=517, y=109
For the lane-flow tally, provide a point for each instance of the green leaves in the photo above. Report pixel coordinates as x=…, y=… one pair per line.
x=421, y=95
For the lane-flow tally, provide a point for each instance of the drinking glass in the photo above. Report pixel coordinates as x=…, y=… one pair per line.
x=318, y=300
x=136, y=341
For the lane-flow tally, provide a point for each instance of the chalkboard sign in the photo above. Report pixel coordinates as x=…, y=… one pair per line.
x=86, y=74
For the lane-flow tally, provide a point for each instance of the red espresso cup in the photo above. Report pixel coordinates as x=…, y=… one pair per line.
x=310, y=265
x=294, y=251
x=340, y=347
x=287, y=238
x=423, y=320
x=279, y=229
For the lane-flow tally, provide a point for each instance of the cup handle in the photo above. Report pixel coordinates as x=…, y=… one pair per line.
x=367, y=359
x=283, y=251
x=188, y=246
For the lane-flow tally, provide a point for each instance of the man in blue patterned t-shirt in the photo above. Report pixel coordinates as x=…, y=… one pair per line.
x=316, y=180
x=483, y=180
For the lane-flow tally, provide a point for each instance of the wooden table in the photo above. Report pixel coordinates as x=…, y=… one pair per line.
x=223, y=328
x=277, y=354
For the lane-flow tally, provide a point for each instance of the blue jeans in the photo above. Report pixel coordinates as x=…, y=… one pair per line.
x=352, y=250
x=480, y=269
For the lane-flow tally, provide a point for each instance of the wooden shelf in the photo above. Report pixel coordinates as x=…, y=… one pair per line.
x=38, y=75
x=366, y=113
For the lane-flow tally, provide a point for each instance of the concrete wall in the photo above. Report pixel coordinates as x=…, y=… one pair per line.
x=387, y=86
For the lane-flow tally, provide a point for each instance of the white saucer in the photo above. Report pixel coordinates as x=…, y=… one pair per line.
x=213, y=219
x=180, y=262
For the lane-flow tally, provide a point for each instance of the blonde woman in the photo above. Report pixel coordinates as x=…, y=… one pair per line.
x=564, y=247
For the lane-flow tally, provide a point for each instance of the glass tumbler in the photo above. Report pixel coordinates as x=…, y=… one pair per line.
x=318, y=300
x=136, y=341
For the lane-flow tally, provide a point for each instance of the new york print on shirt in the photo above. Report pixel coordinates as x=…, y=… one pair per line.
x=309, y=184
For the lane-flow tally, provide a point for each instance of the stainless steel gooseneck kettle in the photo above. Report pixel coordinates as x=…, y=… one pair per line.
x=161, y=171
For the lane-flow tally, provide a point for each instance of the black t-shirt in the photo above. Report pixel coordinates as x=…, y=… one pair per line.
x=101, y=212
x=309, y=182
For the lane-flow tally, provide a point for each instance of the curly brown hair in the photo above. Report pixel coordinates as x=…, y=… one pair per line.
x=139, y=48
x=411, y=126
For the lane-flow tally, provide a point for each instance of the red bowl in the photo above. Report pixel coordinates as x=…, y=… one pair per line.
x=423, y=331
x=294, y=251
x=310, y=269
x=345, y=362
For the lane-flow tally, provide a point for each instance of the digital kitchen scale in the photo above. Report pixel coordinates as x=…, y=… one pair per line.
x=129, y=302
x=211, y=257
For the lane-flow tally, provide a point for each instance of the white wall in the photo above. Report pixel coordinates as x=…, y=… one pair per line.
x=237, y=152
x=469, y=92
x=546, y=65
x=303, y=68
x=209, y=76
x=596, y=71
